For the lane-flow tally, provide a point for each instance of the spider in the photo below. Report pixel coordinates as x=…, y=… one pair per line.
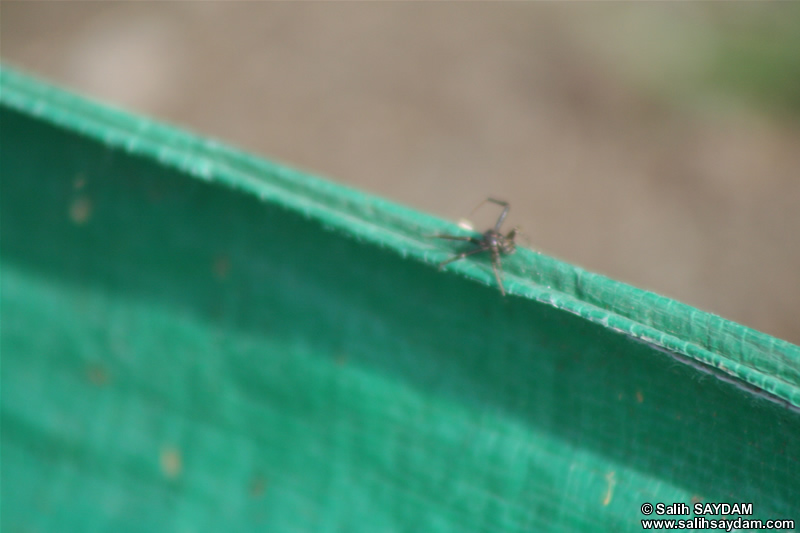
x=491, y=241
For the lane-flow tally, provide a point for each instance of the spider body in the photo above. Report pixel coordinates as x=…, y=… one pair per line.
x=492, y=241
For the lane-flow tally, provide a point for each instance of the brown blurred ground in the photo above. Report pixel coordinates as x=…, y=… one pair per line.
x=588, y=117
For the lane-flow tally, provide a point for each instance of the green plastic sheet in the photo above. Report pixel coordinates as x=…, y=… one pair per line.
x=196, y=339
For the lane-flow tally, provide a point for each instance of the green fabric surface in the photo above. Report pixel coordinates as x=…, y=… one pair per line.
x=195, y=339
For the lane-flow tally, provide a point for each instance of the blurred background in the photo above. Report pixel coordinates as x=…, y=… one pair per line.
x=656, y=143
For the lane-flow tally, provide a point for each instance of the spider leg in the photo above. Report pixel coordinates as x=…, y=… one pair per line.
x=502, y=216
x=497, y=266
x=473, y=240
x=461, y=256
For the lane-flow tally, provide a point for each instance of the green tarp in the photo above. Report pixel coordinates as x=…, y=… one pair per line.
x=196, y=339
